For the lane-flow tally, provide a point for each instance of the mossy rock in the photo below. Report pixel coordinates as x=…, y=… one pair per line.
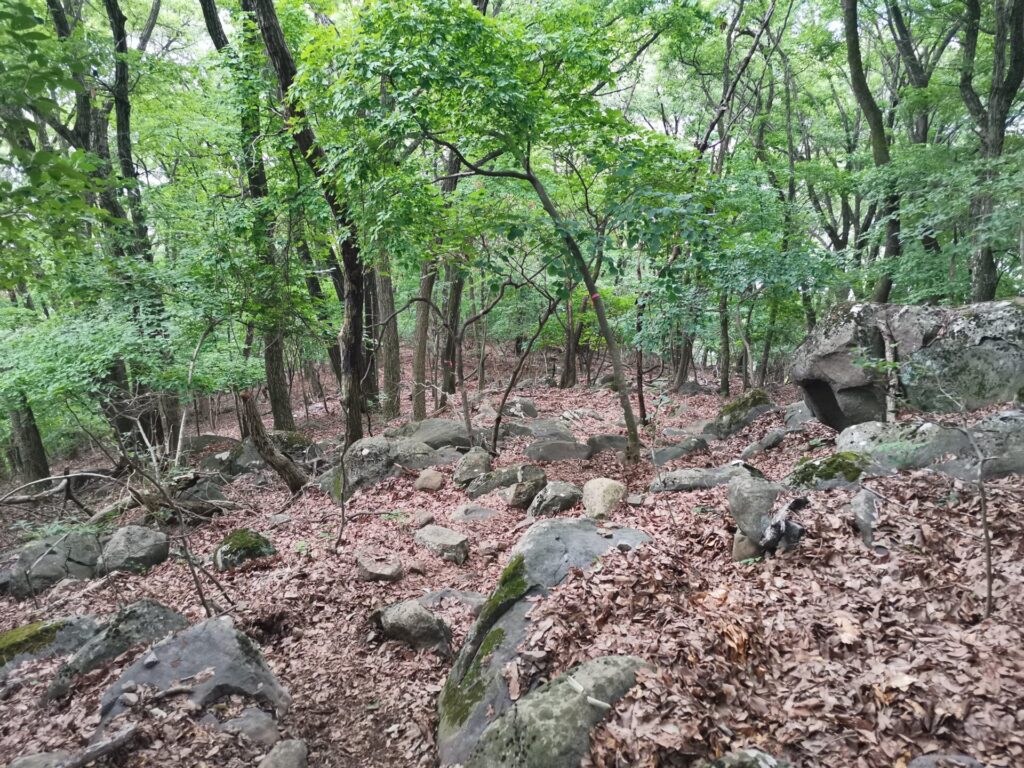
x=29, y=638
x=741, y=412
x=845, y=466
x=239, y=546
x=458, y=699
x=289, y=440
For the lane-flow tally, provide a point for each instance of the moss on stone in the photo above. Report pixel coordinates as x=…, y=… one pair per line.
x=740, y=406
x=241, y=545
x=459, y=698
x=848, y=465
x=512, y=585
x=27, y=639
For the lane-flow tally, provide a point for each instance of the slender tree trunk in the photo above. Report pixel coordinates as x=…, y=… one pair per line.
x=371, y=378
x=277, y=381
x=456, y=281
x=316, y=293
x=292, y=474
x=762, y=367
x=685, y=357
x=428, y=276
x=29, y=453
x=390, y=355
x=723, y=336
x=568, y=378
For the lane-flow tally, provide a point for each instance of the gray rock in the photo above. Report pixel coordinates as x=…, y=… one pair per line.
x=236, y=665
x=286, y=754
x=771, y=440
x=740, y=413
x=601, y=496
x=444, y=542
x=476, y=691
x=549, y=429
x=429, y=480
x=520, y=408
x=473, y=600
x=240, y=459
x=798, y=414
x=143, y=622
x=865, y=515
x=557, y=450
x=550, y=727
x=421, y=519
x=45, y=639
x=436, y=433
x=372, y=459
x=134, y=548
x=578, y=414
x=743, y=548
x=751, y=502
x=206, y=489
x=744, y=758
x=240, y=546
x=553, y=498
x=601, y=443
x=700, y=479
x=475, y=463
x=676, y=451
x=944, y=760
x=42, y=564
x=376, y=568
x=503, y=478
x=473, y=512
x=952, y=358
x=530, y=480
x=409, y=622
x=256, y=725
x=41, y=760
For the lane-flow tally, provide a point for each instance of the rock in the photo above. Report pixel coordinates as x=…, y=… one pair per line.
x=200, y=443
x=256, y=725
x=476, y=691
x=944, y=760
x=286, y=754
x=677, y=450
x=579, y=414
x=474, y=600
x=840, y=470
x=865, y=515
x=475, y=463
x=473, y=512
x=372, y=459
x=601, y=443
x=1000, y=437
x=293, y=444
x=492, y=481
x=239, y=546
x=743, y=548
x=740, y=413
x=751, y=501
x=488, y=548
x=771, y=440
x=421, y=519
x=42, y=564
x=798, y=414
x=409, y=622
x=557, y=450
x=377, y=568
x=276, y=521
x=951, y=358
x=553, y=498
x=548, y=429
x=134, y=548
x=436, y=433
x=429, y=480
x=444, y=542
x=699, y=479
x=206, y=489
x=529, y=482
x=140, y=623
x=633, y=499
x=45, y=639
x=520, y=408
x=235, y=663
x=744, y=758
x=550, y=727
x=601, y=496
x=241, y=459
x=41, y=760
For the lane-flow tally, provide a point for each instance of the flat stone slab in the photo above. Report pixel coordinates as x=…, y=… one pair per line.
x=699, y=479
x=473, y=512
x=444, y=542
x=557, y=450
x=675, y=451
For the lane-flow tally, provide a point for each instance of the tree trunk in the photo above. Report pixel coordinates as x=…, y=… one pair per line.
x=456, y=281
x=292, y=474
x=390, y=359
x=428, y=276
x=371, y=378
x=29, y=453
x=762, y=367
x=723, y=336
x=685, y=357
x=568, y=377
x=316, y=294
x=351, y=342
x=277, y=381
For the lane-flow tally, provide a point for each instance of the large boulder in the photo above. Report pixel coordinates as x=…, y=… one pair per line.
x=668, y=453
x=411, y=623
x=437, y=433
x=220, y=660
x=740, y=413
x=475, y=463
x=751, y=501
x=134, y=548
x=547, y=449
x=555, y=497
x=42, y=564
x=700, y=479
x=476, y=691
x=145, y=621
x=45, y=639
x=530, y=480
x=547, y=429
x=951, y=359
x=550, y=727
x=240, y=459
x=611, y=443
x=372, y=459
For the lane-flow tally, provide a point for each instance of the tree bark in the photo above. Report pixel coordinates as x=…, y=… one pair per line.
x=456, y=281
x=292, y=474
x=390, y=354
x=723, y=341
x=428, y=276
x=277, y=381
x=370, y=380
x=30, y=455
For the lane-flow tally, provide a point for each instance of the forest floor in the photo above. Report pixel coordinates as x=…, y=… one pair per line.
x=835, y=654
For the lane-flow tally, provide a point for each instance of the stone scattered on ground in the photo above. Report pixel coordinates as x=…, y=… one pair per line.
x=667, y=453
x=473, y=600
x=411, y=623
x=610, y=443
x=469, y=512
x=863, y=508
x=797, y=414
x=444, y=542
x=503, y=478
x=240, y=546
x=378, y=567
x=429, y=480
x=744, y=758
x=240, y=459
x=437, y=433
x=421, y=519
x=841, y=469
x=372, y=459
x=944, y=760
x=771, y=440
x=550, y=727
x=698, y=479
x=951, y=359
x=134, y=548
x=743, y=548
x=41, y=760
x=529, y=482
x=740, y=413
x=256, y=725
x=601, y=496
x=473, y=464
x=42, y=564
x=546, y=429
x=751, y=502
x=557, y=496
x=633, y=499
x=230, y=662
x=45, y=639
x=286, y=754
x=547, y=450
x=520, y=408
x=476, y=692
x=140, y=623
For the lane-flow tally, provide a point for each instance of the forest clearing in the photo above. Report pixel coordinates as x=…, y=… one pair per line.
x=437, y=383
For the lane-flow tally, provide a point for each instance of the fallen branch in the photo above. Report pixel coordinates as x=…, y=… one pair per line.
x=94, y=752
